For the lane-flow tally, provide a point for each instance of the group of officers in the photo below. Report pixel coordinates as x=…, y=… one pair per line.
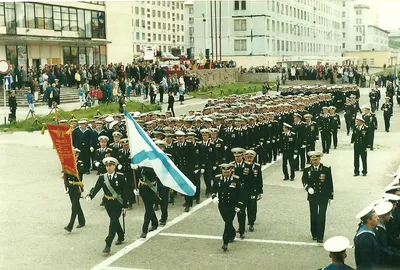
x=226, y=143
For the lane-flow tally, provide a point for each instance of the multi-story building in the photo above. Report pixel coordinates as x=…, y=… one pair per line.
x=189, y=30
x=39, y=33
x=158, y=23
x=360, y=28
x=268, y=28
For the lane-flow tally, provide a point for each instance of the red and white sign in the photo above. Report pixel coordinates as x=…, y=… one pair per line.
x=4, y=67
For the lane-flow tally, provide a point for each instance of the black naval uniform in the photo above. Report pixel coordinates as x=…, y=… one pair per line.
x=350, y=116
x=325, y=123
x=288, y=150
x=360, y=140
x=252, y=187
x=124, y=159
x=229, y=196
x=387, y=109
x=207, y=162
x=75, y=189
x=99, y=155
x=83, y=144
x=311, y=136
x=148, y=176
x=229, y=138
x=389, y=256
x=372, y=124
x=299, y=130
x=320, y=180
x=335, y=126
x=366, y=249
x=114, y=188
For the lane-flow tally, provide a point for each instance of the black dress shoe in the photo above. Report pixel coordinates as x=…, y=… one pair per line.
x=107, y=249
x=119, y=242
x=162, y=223
x=198, y=201
x=80, y=226
x=364, y=174
x=187, y=209
x=153, y=228
x=320, y=241
x=285, y=179
x=143, y=235
x=292, y=179
x=314, y=238
x=356, y=174
x=231, y=240
x=225, y=247
x=242, y=236
x=67, y=229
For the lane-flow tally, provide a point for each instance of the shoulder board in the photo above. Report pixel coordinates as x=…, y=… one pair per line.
x=218, y=175
x=257, y=164
x=232, y=162
x=168, y=154
x=236, y=177
x=198, y=142
x=120, y=173
x=102, y=174
x=294, y=133
x=120, y=150
x=211, y=142
x=108, y=148
x=220, y=139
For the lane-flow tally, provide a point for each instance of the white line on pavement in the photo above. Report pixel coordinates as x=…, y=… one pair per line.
x=198, y=236
x=123, y=268
x=104, y=264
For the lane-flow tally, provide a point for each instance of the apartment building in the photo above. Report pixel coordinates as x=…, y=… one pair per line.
x=268, y=28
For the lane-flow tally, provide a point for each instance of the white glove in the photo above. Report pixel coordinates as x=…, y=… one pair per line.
x=91, y=149
x=303, y=146
x=261, y=143
x=215, y=200
x=294, y=156
x=270, y=141
x=196, y=171
x=66, y=190
x=226, y=147
x=88, y=198
x=97, y=164
x=277, y=140
x=136, y=192
x=202, y=171
x=237, y=209
x=311, y=191
x=134, y=166
x=214, y=167
x=259, y=197
x=119, y=166
x=273, y=141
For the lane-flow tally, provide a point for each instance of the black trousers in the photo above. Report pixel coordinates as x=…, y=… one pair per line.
x=300, y=159
x=326, y=140
x=149, y=198
x=387, y=117
x=349, y=122
x=76, y=209
x=196, y=182
x=130, y=186
x=171, y=107
x=335, y=138
x=114, y=210
x=161, y=95
x=163, y=192
x=208, y=175
x=288, y=157
x=371, y=137
x=228, y=214
x=318, y=208
x=360, y=152
x=373, y=105
x=85, y=157
x=309, y=147
x=249, y=204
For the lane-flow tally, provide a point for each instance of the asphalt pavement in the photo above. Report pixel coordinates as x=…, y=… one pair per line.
x=34, y=209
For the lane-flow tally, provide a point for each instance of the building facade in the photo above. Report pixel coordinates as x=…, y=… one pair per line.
x=189, y=30
x=360, y=28
x=375, y=58
x=157, y=23
x=267, y=28
x=35, y=34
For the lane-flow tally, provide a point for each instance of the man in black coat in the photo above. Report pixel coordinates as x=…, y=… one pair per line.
x=360, y=140
x=317, y=181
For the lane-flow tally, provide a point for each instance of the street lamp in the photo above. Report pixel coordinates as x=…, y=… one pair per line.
x=205, y=41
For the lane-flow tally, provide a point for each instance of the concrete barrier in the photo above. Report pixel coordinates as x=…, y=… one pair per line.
x=258, y=77
x=213, y=77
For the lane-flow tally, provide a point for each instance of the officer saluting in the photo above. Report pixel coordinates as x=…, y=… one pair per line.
x=227, y=193
x=337, y=246
x=114, y=187
x=317, y=181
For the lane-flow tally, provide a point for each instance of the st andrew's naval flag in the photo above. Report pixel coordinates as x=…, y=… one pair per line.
x=145, y=153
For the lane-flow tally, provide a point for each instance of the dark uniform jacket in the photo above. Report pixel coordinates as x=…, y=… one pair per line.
x=207, y=154
x=289, y=143
x=252, y=178
x=387, y=109
x=228, y=190
x=335, y=121
x=366, y=249
x=72, y=182
x=219, y=150
x=320, y=180
x=117, y=182
x=184, y=157
x=311, y=132
x=360, y=137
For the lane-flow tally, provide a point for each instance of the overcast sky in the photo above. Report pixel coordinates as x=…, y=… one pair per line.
x=389, y=11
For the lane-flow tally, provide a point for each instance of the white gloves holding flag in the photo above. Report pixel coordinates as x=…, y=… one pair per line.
x=136, y=192
x=91, y=149
x=134, y=166
x=215, y=199
x=310, y=191
x=96, y=163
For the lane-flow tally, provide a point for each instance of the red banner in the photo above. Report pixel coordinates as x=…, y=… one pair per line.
x=62, y=140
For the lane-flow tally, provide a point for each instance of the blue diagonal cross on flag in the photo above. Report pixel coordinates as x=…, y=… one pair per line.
x=146, y=154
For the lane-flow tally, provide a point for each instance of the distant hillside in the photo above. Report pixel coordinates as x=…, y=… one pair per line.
x=394, y=44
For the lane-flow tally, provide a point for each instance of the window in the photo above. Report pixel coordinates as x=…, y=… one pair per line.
x=154, y=37
x=65, y=19
x=73, y=20
x=273, y=26
x=137, y=10
x=191, y=30
x=190, y=10
x=2, y=17
x=344, y=35
x=159, y=37
x=358, y=21
x=137, y=35
x=20, y=12
x=143, y=24
x=57, y=18
x=88, y=25
x=358, y=38
x=143, y=36
x=192, y=40
x=98, y=25
x=372, y=62
x=165, y=37
x=236, y=5
x=17, y=55
x=240, y=25
x=358, y=47
x=143, y=11
x=243, y=4
x=358, y=12
x=10, y=18
x=48, y=17
x=240, y=45
x=159, y=25
x=268, y=24
x=159, y=14
x=39, y=16
x=81, y=23
x=343, y=14
x=191, y=20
